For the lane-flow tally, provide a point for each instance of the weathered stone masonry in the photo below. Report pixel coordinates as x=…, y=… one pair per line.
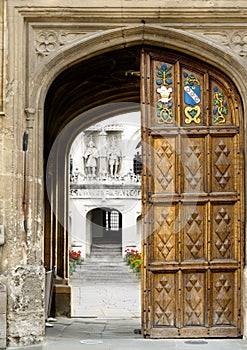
x=38, y=41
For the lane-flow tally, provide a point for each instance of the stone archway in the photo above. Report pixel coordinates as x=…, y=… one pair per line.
x=142, y=36
x=106, y=226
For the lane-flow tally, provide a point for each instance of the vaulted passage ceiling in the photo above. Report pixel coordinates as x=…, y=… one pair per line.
x=91, y=83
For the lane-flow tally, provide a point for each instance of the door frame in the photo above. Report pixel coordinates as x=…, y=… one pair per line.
x=104, y=229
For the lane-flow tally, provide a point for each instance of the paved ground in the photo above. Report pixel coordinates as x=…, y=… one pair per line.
x=116, y=311
x=106, y=288
x=106, y=300
x=117, y=334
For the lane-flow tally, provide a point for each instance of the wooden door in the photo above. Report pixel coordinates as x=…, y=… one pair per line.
x=193, y=197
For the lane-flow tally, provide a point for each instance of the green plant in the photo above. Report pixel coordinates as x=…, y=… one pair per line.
x=133, y=258
x=75, y=258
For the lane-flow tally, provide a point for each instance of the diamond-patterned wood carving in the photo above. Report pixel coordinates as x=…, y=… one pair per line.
x=164, y=306
x=193, y=222
x=223, y=231
x=193, y=301
x=165, y=236
x=223, y=301
x=193, y=167
x=164, y=165
x=194, y=241
x=222, y=164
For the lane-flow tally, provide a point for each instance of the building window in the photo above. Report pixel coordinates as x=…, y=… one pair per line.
x=112, y=221
x=115, y=220
x=137, y=164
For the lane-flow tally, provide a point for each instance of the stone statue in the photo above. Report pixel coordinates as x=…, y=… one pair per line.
x=114, y=159
x=91, y=156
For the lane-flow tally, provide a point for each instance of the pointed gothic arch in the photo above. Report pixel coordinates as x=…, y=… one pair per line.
x=129, y=37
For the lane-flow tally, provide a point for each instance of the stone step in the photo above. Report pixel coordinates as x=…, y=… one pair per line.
x=113, y=272
x=106, y=257
x=103, y=282
x=117, y=258
x=124, y=277
x=106, y=251
x=105, y=265
x=103, y=271
x=107, y=247
x=108, y=254
x=98, y=265
x=106, y=244
x=104, y=277
x=92, y=269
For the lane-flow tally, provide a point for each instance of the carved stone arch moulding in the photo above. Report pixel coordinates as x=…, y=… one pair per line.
x=112, y=39
x=47, y=40
x=235, y=40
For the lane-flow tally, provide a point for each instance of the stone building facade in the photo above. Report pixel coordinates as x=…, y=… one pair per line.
x=62, y=63
x=105, y=185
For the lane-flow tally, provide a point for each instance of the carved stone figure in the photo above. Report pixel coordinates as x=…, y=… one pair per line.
x=114, y=159
x=91, y=158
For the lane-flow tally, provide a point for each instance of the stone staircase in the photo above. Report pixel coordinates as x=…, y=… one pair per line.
x=105, y=265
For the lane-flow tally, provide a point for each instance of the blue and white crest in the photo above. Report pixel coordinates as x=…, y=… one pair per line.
x=192, y=95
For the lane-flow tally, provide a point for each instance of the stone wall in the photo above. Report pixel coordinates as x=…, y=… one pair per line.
x=38, y=40
x=3, y=310
x=25, y=305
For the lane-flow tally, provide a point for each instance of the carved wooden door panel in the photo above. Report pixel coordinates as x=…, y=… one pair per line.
x=192, y=199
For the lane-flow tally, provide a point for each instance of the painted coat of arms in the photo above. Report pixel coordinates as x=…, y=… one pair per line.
x=192, y=97
x=165, y=104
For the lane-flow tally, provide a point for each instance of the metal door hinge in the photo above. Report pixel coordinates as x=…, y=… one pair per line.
x=133, y=73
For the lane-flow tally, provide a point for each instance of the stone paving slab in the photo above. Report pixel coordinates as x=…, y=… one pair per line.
x=117, y=334
x=102, y=300
x=136, y=344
